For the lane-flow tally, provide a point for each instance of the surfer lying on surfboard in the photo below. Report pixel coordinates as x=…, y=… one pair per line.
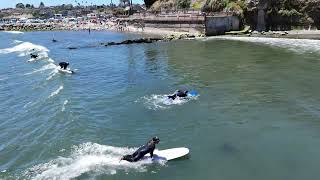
x=143, y=150
x=34, y=56
x=178, y=93
x=63, y=65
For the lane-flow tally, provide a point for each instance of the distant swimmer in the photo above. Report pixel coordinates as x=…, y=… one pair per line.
x=63, y=65
x=143, y=150
x=34, y=56
x=178, y=93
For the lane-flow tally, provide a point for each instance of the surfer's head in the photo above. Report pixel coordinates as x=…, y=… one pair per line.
x=156, y=139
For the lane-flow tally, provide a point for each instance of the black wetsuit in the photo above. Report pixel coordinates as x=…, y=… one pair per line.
x=63, y=65
x=143, y=150
x=34, y=56
x=178, y=94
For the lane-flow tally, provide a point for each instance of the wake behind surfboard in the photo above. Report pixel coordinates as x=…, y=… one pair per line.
x=67, y=71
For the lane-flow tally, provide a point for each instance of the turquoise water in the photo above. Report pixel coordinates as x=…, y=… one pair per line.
x=257, y=116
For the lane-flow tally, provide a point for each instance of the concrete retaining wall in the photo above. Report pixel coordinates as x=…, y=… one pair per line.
x=217, y=25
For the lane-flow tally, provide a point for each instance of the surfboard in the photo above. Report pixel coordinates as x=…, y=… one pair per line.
x=66, y=71
x=168, y=154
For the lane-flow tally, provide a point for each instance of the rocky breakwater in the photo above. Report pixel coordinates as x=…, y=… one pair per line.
x=29, y=27
x=141, y=40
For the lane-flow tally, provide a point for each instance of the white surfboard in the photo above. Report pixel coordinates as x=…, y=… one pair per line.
x=169, y=154
x=68, y=71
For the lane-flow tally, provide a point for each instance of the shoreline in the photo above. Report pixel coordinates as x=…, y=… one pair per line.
x=159, y=32
x=292, y=34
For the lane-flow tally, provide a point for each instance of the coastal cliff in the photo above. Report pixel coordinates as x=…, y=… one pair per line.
x=261, y=15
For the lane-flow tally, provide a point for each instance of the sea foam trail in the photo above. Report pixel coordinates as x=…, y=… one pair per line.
x=56, y=91
x=155, y=102
x=64, y=105
x=25, y=49
x=88, y=157
x=296, y=45
x=43, y=68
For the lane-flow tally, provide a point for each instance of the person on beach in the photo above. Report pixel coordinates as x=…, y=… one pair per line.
x=143, y=150
x=63, y=65
x=178, y=93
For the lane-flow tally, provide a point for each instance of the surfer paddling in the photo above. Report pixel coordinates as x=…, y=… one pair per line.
x=178, y=93
x=143, y=150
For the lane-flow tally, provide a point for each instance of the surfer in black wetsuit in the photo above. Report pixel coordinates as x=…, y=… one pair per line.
x=63, y=65
x=34, y=56
x=143, y=150
x=178, y=93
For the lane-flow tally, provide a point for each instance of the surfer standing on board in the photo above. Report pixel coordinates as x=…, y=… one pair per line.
x=143, y=150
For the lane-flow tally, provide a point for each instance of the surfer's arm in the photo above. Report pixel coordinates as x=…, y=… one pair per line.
x=151, y=152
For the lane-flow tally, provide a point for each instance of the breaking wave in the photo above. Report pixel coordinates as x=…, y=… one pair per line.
x=296, y=45
x=14, y=32
x=88, y=157
x=24, y=47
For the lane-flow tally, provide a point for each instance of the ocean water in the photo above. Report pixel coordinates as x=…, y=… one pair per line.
x=257, y=115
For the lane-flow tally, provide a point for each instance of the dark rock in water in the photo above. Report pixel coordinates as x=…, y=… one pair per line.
x=138, y=40
x=134, y=41
x=72, y=48
x=127, y=42
x=155, y=39
x=111, y=43
x=148, y=40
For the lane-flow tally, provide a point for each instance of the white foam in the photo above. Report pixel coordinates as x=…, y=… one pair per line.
x=17, y=42
x=43, y=68
x=53, y=73
x=26, y=105
x=64, y=105
x=56, y=91
x=88, y=157
x=155, y=101
x=296, y=45
x=14, y=32
x=24, y=49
